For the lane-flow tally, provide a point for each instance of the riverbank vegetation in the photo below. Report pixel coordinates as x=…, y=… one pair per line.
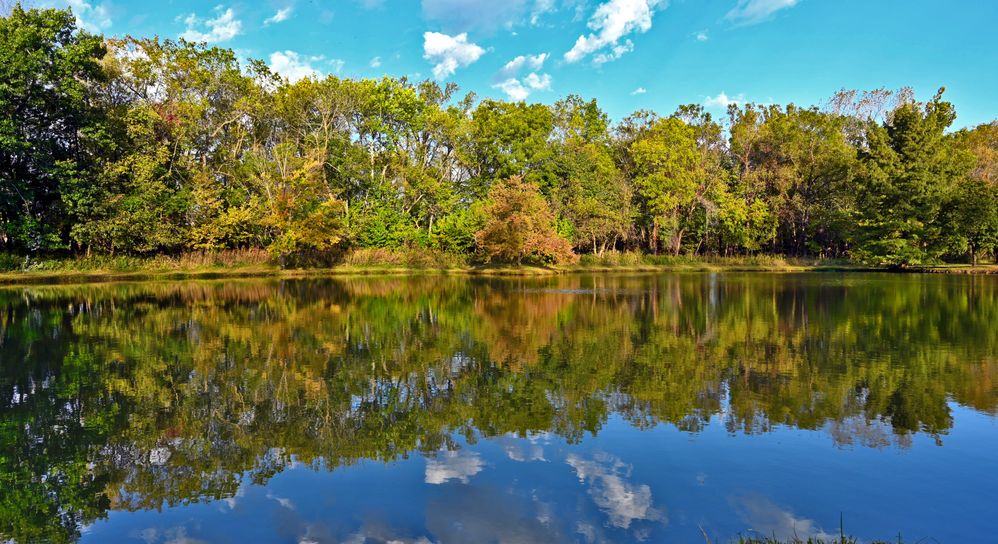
x=137, y=150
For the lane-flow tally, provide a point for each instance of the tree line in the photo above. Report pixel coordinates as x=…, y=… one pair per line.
x=146, y=146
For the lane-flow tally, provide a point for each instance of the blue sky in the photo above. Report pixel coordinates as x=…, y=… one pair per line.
x=629, y=54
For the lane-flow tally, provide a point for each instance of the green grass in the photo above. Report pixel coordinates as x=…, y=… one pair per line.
x=104, y=263
x=709, y=262
x=236, y=263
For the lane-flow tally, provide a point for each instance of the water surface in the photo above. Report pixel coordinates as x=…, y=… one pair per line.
x=651, y=408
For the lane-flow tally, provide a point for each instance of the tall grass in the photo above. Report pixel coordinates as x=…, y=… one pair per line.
x=121, y=263
x=614, y=259
x=403, y=258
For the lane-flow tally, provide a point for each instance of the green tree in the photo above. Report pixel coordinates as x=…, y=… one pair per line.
x=509, y=139
x=49, y=127
x=800, y=164
x=907, y=167
x=970, y=215
x=673, y=179
x=592, y=193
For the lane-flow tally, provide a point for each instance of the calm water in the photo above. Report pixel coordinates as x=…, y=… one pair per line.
x=576, y=409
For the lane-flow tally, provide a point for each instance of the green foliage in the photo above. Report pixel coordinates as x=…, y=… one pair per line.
x=48, y=126
x=970, y=213
x=455, y=232
x=144, y=147
x=907, y=168
x=671, y=179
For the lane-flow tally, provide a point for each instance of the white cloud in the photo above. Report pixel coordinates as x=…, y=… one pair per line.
x=448, y=53
x=508, y=78
x=336, y=64
x=622, y=501
x=453, y=465
x=541, y=7
x=513, y=67
x=485, y=15
x=222, y=28
x=702, y=36
x=614, y=53
x=293, y=66
x=610, y=23
x=90, y=17
x=513, y=89
x=750, y=12
x=639, y=90
x=281, y=15
x=375, y=62
x=722, y=100
x=521, y=450
x=538, y=82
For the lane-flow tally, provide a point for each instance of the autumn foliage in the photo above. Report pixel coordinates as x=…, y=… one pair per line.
x=521, y=226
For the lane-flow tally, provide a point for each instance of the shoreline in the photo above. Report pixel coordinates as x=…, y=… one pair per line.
x=61, y=277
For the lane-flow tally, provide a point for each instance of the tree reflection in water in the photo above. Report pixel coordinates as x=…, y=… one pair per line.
x=140, y=396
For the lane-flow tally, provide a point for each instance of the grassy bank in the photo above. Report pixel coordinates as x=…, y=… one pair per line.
x=258, y=263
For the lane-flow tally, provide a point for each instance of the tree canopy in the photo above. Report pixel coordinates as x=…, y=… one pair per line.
x=147, y=146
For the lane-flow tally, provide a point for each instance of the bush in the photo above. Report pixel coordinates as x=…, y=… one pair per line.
x=521, y=226
x=9, y=263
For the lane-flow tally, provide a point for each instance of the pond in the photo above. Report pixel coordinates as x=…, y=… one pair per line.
x=603, y=408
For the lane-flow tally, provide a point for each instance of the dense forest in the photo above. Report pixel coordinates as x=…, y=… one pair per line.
x=134, y=146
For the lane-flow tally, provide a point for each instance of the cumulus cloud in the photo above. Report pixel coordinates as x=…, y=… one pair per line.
x=281, y=15
x=611, y=23
x=448, y=53
x=508, y=78
x=639, y=90
x=94, y=18
x=519, y=90
x=375, y=62
x=702, y=36
x=222, y=28
x=458, y=465
x=614, y=53
x=538, y=82
x=514, y=89
x=513, y=67
x=722, y=100
x=622, y=501
x=295, y=67
x=750, y=12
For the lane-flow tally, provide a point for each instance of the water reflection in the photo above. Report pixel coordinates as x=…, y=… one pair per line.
x=138, y=397
x=622, y=501
x=765, y=519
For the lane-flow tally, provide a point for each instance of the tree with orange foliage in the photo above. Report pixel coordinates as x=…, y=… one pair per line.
x=521, y=226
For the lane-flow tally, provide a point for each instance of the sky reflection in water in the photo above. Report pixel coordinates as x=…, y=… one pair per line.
x=578, y=409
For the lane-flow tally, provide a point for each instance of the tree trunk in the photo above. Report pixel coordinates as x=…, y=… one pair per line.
x=653, y=242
